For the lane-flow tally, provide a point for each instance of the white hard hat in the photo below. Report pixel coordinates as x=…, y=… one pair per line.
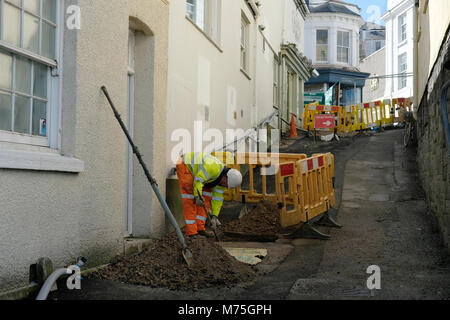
x=234, y=179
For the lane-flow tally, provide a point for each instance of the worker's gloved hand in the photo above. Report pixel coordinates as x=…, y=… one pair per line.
x=215, y=223
x=199, y=201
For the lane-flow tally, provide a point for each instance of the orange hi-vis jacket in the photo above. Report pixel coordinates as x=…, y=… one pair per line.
x=206, y=169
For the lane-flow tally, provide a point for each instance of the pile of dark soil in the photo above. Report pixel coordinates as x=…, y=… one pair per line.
x=263, y=220
x=162, y=266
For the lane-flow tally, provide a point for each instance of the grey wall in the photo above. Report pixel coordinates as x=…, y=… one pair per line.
x=433, y=151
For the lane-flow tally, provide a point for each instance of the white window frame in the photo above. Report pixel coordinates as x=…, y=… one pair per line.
x=244, y=43
x=208, y=20
x=402, y=81
x=52, y=140
x=328, y=45
x=403, y=27
x=342, y=46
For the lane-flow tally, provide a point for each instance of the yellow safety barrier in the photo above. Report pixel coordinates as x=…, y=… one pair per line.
x=304, y=187
x=405, y=105
x=311, y=110
x=310, y=190
x=291, y=212
x=267, y=163
x=360, y=117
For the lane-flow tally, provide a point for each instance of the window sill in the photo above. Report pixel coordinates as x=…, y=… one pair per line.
x=205, y=34
x=246, y=74
x=37, y=159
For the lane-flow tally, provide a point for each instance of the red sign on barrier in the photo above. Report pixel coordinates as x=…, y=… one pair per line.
x=287, y=169
x=324, y=121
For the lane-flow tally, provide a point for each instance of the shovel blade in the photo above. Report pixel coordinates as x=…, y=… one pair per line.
x=187, y=256
x=244, y=212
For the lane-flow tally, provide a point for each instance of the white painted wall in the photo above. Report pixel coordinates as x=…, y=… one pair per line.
x=433, y=25
x=394, y=48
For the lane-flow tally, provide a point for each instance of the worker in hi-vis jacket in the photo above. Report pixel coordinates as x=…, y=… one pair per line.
x=203, y=181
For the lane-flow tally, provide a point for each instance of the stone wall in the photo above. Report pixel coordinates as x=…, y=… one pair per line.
x=433, y=152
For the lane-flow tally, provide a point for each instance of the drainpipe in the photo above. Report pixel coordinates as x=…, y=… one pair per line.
x=392, y=54
x=416, y=57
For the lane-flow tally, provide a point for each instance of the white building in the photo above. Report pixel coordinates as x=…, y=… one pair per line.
x=372, y=38
x=232, y=66
x=399, y=48
x=332, y=33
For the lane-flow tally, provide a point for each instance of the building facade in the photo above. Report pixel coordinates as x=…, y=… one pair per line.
x=399, y=19
x=332, y=30
x=372, y=37
x=234, y=66
x=431, y=91
x=375, y=65
x=69, y=187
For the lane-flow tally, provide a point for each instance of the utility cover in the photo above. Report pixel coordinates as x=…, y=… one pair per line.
x=248, y=256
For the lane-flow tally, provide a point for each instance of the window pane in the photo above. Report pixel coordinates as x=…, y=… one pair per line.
x=40, y=80
x=49, y=10
x=48, y=40
x=11, y=25
x=39, y=118
x=243, y=27
x=31, y=33
x=322, y=36
x=6, y=70
x=342, y=54
x=32, y=6
x=322, y=53
x=190, y=8
x=346, y=39
x=23, y=75
x=5, y=112
x=22, y=115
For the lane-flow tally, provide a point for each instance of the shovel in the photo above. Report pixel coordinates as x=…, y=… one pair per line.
x=244, y=210
x=208, y=214
x=187, y=254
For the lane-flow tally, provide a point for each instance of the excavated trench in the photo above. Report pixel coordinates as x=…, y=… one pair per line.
x=162, y=265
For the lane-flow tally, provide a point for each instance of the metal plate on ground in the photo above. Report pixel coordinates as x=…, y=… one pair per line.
x=248, y=255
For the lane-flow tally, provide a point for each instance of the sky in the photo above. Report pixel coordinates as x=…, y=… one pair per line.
x=371, y=10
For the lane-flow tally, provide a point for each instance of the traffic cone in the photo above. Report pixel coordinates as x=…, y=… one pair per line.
x=293, y=133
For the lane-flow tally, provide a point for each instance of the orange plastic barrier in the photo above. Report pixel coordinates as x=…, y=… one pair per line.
x=310, y=191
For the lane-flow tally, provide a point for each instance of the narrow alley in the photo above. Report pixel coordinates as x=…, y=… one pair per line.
x=386, y=223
